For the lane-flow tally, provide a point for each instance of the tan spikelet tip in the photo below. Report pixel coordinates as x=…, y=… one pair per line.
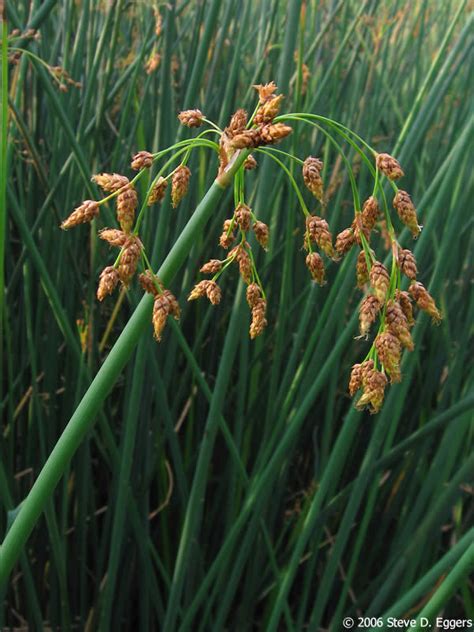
x=110, y=182
x=81, y=215
x=108, y=281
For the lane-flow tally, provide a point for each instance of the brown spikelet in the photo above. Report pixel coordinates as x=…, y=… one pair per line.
x=274, y=132
x=312, y=168
x=179, y=184
x=368, y=312
x=211, y=267
x=253, y=294
x=398, y=324
x=362, y=271
x=262, y=233
x=198, y=290
x=241, y=256
x=389, y=166
x=370, y=213
x=165, y=305
x=358, y=373
x=315, y=265
x=126, y=204
x=389, y=350
x=374, y=383
x=265, y=91
x=227, y=237
x=237, y=123
x=129, y=259
x=268, y=110
x=191, y=118
x=407, y=212
x=344, y=241
x=246, y=139
x=250, y=163
x=404, y=300
x=213, y=293
x=113, y=236
x=158, y=191
x=82, y=214
x=407, y=263
x=243, y=216
x=425, y=301
x=318, y=231
x=110, y=182
x=150, y=283
x=259, y=322
x=379, y=280
x=109, y=278
x=142, y=160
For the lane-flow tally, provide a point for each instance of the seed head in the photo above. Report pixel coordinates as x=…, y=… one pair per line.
x=379, y=280
x=315, y=265
x=312, y=168
x=389, y=350
x=142, y=160
x=243, y=217
x=370, y=213
x=262, y=233
x=158, y=191
x=227, y=237
x=206, y=288
x=165, y=305
x=113, y=236
x=198, y=290
x=109, y=278
x=246, y=139
x=404, y=301
x=253, y=294
x=398, y=324
x=237, y=123
x=268, y=110
x=259, y=322
x=265, y=91
x=179, y=184
x=82, y=214
x=241, y=256
x=250, y=163
x=407, y=212
x=425, y=301
x=191, y=118
x=150, y=283
x=362, y=271
x=358, y=373
x=318, y=231
x=126, y=204
x=274, y=132
x=389, y=166
x=211, y=267
x=374, y=384
x=368, y=311
x=110, y=182
x=344, y=241
x=407, y=263
x=129, y=259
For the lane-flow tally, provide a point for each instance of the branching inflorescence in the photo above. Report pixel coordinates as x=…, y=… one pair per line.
x=385, y=301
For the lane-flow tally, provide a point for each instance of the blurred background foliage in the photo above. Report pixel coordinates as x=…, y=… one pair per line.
x=230, y=484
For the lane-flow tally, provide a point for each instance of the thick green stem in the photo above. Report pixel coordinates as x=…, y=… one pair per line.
x=83, y=417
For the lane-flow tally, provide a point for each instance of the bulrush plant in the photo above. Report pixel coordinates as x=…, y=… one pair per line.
x=385, y=302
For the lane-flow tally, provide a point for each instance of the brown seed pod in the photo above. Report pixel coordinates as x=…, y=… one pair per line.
x=227, y=237
x=191, y=118
x=259, y=322
x=404, y=300
x=358, y=374
x=250, y=163
x=374, y=390
x=265, y=91
x=262, y=233
x=407, y=212
x=158, y=191
x=344, y=241
x=126, y=204
x=110, y=182
x=179, y=184
x=243, y=216
x=398, y=324
x=246, y=139
x=368, y=312
x=274, y=132
x=362, y=271
x=241, y=256
x=407, y=263
x=315, y=265
x=268, y=110
x=425, y=301
x=237, y=123
x=165, y=305
x=370, y=213
x=253, y=293
x=113, y=236
x=82, y=214
x=389, y=351
x=142, y=160
x=318, y=231
x=312, y=168
x=150, y=283
x=379, y=280
x=213, y=293
x=389, y=166
x=129, y=259
x=211, y=267
x=109, y=278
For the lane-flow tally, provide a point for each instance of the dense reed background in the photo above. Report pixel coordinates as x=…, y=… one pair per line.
x=230, y=484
